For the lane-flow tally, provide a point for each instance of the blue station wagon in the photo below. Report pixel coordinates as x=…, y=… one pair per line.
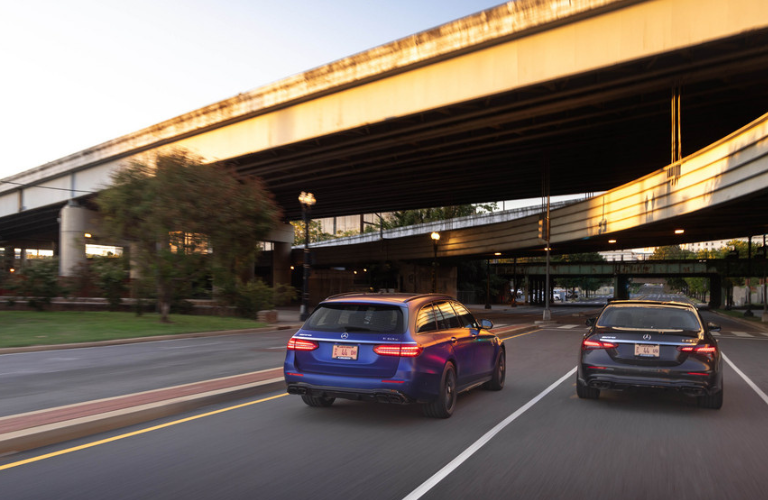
x=393, y=348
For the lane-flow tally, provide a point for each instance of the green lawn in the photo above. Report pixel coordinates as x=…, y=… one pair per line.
x=23, y=328
x=739, y=313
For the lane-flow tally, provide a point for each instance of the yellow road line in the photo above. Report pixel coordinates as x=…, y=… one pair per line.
x=135, y=433
x=519, y=335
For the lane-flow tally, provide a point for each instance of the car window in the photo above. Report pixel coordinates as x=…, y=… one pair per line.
x=426, y=321
x=446, y=317
x=349, y=317
x=466, y=319
x=649, y=318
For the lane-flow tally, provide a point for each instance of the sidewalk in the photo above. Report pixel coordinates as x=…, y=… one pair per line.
x=55, y=425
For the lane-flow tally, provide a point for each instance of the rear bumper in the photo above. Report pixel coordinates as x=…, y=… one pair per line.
x=693, y=385
x=371, y=395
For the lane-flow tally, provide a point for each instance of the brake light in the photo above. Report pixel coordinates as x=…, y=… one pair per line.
x=699, y=349
x=399, y=350
x=301, y=345
x=597, y=344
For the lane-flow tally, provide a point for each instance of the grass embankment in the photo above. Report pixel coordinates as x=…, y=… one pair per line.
x=23, y=328
x=736, y=313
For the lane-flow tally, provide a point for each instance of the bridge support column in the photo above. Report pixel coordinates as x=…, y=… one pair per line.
x=716, y=292
x=74, y=222
x=281, y=264
x=621, y=287
x=282, y=237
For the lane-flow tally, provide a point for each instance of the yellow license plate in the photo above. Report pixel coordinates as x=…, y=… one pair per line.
x=647, y=350
x=344, y=352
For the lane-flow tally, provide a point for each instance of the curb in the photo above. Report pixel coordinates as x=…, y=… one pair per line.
x=74, y=428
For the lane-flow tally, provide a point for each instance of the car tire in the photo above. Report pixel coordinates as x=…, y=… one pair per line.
x=712, y=401
x=499, y=373
x=443, y=405
x=585, y=392
x=318, y=402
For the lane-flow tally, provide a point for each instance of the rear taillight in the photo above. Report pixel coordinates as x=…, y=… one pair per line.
x=400, y=350
x=699, y=349
x=597, y=344
x=301, y=345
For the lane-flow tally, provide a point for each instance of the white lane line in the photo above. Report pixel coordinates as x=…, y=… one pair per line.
x=742, y=334
x=765, y=334
x=456, y=462
x=716, y=334
x=567, y=327
x=746, y=379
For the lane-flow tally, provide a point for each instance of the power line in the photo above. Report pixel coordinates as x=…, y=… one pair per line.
x=47, y=187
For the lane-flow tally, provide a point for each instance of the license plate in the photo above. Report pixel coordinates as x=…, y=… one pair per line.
x=344, y=352
x=647, y=350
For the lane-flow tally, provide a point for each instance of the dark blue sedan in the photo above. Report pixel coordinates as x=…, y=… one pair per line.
x=393, y=348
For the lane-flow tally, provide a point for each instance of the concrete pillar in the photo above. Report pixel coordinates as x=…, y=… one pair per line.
x=621, y=287
x=74, y=223
x=716, y=292
x=281, y=263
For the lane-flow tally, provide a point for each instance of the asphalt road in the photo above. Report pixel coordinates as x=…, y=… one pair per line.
x=39, y=380
x=522, y=442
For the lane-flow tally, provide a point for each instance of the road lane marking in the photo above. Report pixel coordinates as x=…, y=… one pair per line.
x=716, y=334
x=135, y=433
x=456, y=462
x=518, y=335
x=746, y=379
x=742, y=334
x=567, y=327
x=765, y=334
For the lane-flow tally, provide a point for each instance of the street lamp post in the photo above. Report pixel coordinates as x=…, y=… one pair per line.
x=306, y=200
x=488, y=283
x=435, y=238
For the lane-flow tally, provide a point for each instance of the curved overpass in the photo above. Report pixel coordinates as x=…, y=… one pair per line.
x=718, y=192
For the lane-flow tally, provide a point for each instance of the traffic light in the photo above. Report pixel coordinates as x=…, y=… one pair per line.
x=544, y=229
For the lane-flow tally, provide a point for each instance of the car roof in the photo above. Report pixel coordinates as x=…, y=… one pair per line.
x=386, y=298
x=654, y=303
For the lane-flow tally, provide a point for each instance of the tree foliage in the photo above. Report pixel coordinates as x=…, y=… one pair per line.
x=424, y=215
x=175, y=209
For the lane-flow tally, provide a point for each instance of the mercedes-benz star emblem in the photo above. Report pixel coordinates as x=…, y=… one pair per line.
x=647, y=337
x=345, y=335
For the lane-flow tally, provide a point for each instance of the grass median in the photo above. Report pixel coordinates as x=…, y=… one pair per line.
x=24, y=328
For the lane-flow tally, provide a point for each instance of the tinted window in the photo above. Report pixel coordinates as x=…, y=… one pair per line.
x=425, y=321
x=649, y=318
x=446, y=317
x=340, y=317
x=465, y=317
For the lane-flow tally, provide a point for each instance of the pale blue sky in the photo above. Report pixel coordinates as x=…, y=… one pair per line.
x=76, y=73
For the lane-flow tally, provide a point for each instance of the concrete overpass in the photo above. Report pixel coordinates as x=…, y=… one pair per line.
x=718, y=192
x=471, y=111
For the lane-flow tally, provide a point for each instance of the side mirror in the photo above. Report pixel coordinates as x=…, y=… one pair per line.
x=591, y=321
x=486, y=324
x=713, y=327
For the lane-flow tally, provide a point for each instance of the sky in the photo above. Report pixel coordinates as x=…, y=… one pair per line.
x=77, y=73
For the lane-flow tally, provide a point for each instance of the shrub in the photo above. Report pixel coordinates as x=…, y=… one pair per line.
x=38, y=283
x=254, y=296
x=110, y=276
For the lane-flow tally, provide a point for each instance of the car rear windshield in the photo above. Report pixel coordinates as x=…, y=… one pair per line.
x=672, y=319
x=348, y=317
